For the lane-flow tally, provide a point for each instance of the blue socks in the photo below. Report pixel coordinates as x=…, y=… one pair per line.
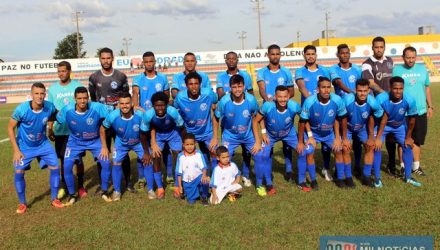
x=20, y=187
x=149, y=176
x=287, y=152
x=54, y=181
x=158, y=179
x=312, y=171
x=347, y=168
x=367, y=170
x=340, y=170
x=117, y=177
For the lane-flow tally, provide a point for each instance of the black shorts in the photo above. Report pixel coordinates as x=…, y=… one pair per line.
x=420, y=129
x=60, y=145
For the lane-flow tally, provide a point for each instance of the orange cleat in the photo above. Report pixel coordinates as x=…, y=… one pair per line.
x=57, y=203
x=21, y=209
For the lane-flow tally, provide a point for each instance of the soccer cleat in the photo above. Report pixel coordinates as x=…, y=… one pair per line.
x=303, y=187
x=61, y=193
x=170, y=180
x=160, y=193
x=339, y=183
x=314, y=185
x=151, y=195
x=271, y=190
x=70, y=200
x=99, y=191
x=349, y=182
x=232, y=197
x=246, y=182
x=205, y=201
x=57, y=203
x=288, y=176
x=116, y=196
x=21, y=209
x=327, y=175
x=366, y=181
x=261, y=191
x=131, y=189
x=393, y=171
x=140, y=184
x=105, y=196
x=378, y=183
x=176, y=193
x=413, y=182
x=82, y=192
x=419, y=171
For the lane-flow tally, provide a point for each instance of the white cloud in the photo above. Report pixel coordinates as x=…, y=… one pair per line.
x=178, y=8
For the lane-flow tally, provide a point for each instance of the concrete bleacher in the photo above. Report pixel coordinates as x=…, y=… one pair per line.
x=16, y=87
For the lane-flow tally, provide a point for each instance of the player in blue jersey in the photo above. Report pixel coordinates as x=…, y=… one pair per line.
x=165, y=124
x=144, y=86
x=362, y=109
x=61, y=94
x=223, y=88
x=196, y=105
x=276, y=119
x=306, y=78
x=326, y=114
x=395, y=105
x=236, y=111
x=268, y=78
x=30, y=118
x=84, y=119
x=178, y=82
x=130, y=136
x=343, y=76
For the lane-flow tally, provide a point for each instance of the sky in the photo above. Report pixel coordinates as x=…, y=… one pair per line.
x=30, y=30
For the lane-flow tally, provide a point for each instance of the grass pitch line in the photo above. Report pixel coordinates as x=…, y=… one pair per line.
x=4, y=140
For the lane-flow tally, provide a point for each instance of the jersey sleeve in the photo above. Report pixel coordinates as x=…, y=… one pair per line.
x=175, y=115
x=425, y=72
x=206, y=83
x=377, y=109
x=218, y=81
x=102, y=110
x=214, y=181
x=50, y=93
x=175, y=82
x=341, y=105
x=260, y=75
x=92, y=88
x=305, y=112
x=236, y=170
x=299, y=74
x=289, y=80
x=381, y=98
x=325, y=71
x=142, y=126
x=367, y=70
x=178, y=165
x=202, y=162
x=165, y=83
x=265, y=108
x=61, y=116
x=108, y=121
x=220, y=107
x=146, y=118
x=253, y=103
x=349, y=99
x=136, y=81
x=412, y=107
x=334, y=73
x=18, y=113
x=125, y=86
x=213, y=96
x=294, y=107
x=247, y=81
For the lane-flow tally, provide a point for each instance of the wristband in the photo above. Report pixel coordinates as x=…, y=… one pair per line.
x=310, y=134
x=263, y=131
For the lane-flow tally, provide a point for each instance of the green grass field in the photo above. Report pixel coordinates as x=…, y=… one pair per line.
x=289, y=220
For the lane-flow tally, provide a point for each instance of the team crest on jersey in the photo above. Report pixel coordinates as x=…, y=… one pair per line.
x=365, y=115
x=401, y=111
x=31, y=137
x=281, y=81
x=158, y=87
x=147, y=103
x=114, y=85
x=379, y=76
x=288, y=120
x=331, y=113
x=44, y=121
x=136, y=127
x=246, y=113
x=89, y=121
x=203, y=106
x=352, y=78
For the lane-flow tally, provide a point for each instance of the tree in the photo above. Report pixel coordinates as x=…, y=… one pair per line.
x=97, y=52
x=121, y=53
x=67, y=48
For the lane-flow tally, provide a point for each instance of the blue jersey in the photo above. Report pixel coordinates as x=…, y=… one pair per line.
x=148, y=87
x=310, y=78
x=31, y=126
x=196, y=114
x=396, y=110
x=347, y=76
x=280, y=124
x=169, y=122
x=358, y=114
x=127, y=130
x=272, y=79
x=322, y=116
x=83, y=126
x=236, y=118
x=223, y=80
x=179, y=81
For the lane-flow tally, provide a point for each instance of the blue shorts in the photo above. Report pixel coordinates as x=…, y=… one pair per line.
x=75, y=148
x=173, y=139
x=399, y=134
x=326, y=141
x=45, y=152
x=361, y=134
x=231, y=144
x=291, y=139
x=119, y=152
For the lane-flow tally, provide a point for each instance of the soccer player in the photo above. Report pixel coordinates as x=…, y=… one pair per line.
x=144, y=86
x=268, y=78
x=344, y=76
x=396, y=104
x=276, y=119
x=31, y=118
x=306, y=78
x=105, y=86
x=84, y=120
x=236, y=111
x=192, y=172
x=166, y=125
x=326, y=114
x=224, y=88
x=362, y=108
x=189, y=63
x=225, y=178
x=130, y=136
x=417, y=83
x=378, y=70
x=61, y=94
x=196, y=105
